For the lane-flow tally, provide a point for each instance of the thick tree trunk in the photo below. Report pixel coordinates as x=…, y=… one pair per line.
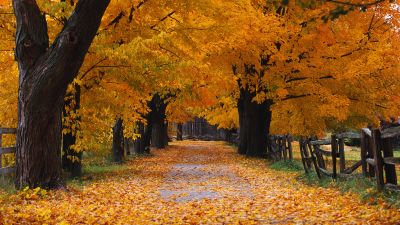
x=44, y=75
x=142, y=144
x=159, y=130
x=118, y=141
x=255, y=120
x=179, y=132
x=71, y=159
x=127, y=149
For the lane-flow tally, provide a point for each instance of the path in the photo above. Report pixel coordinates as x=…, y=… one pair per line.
x=196, y=183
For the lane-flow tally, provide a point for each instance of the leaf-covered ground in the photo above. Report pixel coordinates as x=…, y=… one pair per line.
x=194, y=183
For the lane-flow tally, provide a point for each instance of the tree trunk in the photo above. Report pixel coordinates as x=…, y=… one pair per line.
x=71, y=159
x=44, y=75
x=142, y=144
x=118, y=141
x=254, y=118
x=159, y=130
x=179, y=132
x=126, y=146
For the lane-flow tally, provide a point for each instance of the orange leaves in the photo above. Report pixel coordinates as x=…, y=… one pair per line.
x=207, y=184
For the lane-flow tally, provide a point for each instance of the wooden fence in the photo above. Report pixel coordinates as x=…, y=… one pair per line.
x=6, y=150
x=376, y=156
x=280, y=147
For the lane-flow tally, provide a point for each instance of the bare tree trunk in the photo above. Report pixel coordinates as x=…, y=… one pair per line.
x=158, y=120
x=179, y=132
x=254, y=118
x=127, y=146
x=141, y=144
x=118, y=141
x=44, y=75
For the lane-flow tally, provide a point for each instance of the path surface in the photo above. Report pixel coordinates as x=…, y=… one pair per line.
x=195, y=183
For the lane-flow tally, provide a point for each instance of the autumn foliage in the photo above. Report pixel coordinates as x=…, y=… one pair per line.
x=216, y=187
x=260, y=67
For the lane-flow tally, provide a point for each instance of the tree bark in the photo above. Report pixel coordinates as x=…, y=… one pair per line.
x=126, y=146
x=71, y=159
x=179, y=133
x=159, y=130
x=142, y=144
x=118, y=141
x=254, y=121
x=44, y=75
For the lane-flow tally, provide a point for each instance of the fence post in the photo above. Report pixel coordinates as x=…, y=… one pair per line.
x=376, y=149
x=334, y=147
x=364, y=154
x=302, y=154
x=289, y=140
x=342, y=159
x=314, y=159
x=284, y=149
x=371, y=154
x=1, y=155
x=390, y=170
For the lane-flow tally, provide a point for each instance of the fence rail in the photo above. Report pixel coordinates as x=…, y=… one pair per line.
x=312, y=154
x=6, y=150
x=376, y=157
x=280, y=147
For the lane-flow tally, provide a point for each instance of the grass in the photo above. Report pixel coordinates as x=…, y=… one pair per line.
x=7, y=186
x=91, y=173
x=362, y=186
x=94, y=167
x=287, y=165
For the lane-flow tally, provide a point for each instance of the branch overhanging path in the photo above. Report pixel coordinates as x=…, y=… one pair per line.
x=196, y=183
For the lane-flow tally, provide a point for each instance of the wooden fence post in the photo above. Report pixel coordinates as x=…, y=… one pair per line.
x=314, y=159
x=1, y=145
x=284, y=149
x=289, y=139
x=342, y=159
x=376, y=149
x=334, y=147
x=302, y=154
x=390, y=170
x=364, y=153
x=371, y=154
x=1, y=155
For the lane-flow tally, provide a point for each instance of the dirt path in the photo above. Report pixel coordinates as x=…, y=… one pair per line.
x=196, y=183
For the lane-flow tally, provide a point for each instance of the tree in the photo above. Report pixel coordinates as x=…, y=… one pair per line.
x=45, y=73
x=71, y=154
x=118, y=141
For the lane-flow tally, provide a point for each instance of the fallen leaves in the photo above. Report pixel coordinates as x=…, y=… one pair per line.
x=207, y=183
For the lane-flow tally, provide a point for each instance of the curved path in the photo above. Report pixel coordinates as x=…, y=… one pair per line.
x=196, y=183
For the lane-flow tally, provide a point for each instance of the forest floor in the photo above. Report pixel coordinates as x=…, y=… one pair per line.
x=193, y=183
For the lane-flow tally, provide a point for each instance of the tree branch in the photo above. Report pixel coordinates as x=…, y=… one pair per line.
x=348, y=3
x=32, y=39
x=306, y=78
x=60, y=64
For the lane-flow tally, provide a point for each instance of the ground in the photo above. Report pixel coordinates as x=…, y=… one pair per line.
x=193, y=183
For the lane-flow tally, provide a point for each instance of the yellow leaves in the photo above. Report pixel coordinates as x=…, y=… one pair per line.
x=248, y=193
x=281, y=92
x=32, y=194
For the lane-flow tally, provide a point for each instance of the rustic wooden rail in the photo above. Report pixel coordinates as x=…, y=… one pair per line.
x=280, y=147
x=383, y=158
x=312, y=154
x=6, y=150
x=376, y=156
